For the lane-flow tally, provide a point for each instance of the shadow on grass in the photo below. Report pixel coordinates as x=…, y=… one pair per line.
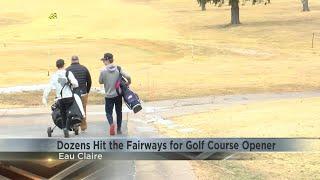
x=269, y=23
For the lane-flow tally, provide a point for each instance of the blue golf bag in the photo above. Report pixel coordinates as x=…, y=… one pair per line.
x=130, y=98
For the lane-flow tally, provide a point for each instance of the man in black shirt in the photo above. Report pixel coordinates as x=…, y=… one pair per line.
x=82, y=74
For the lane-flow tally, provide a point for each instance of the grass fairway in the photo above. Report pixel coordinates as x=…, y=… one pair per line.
x=170, y=47
x=282, y=118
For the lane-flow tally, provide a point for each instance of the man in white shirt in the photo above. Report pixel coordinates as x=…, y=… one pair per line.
x=64, y=94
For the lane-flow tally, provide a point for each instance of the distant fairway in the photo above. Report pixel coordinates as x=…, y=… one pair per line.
x=170, y=47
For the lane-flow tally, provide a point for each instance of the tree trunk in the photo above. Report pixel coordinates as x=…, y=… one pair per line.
x=203, y=5
x=305, y=5
x=235, y=17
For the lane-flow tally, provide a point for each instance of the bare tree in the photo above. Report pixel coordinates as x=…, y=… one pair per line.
x=235, y=11
x=235, y=15
x=202, y=4
x=305, y=5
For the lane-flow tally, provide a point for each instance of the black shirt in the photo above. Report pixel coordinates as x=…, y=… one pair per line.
x=82, y=74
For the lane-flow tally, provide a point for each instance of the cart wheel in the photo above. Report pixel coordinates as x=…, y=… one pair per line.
x=49, y=131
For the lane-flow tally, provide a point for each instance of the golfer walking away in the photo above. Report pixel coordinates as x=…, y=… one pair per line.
x=109, y=76
x=59, y=81
x=82, y=74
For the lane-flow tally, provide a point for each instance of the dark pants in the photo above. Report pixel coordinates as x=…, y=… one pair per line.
x=65, y=104
x=109, y=104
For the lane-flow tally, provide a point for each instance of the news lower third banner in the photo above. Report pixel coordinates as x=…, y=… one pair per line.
x=147, y=148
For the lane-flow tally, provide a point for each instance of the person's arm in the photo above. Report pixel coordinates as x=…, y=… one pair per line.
x=47, y=91
x=89, y=82
x=73, y=80
x=101, y=78
x=126, y=75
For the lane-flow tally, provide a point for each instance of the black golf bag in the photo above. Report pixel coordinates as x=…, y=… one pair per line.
x=130, y=98
x=74, y=115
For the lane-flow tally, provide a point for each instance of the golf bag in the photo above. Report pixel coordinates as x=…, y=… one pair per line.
x=75, y=112
x=130, y=98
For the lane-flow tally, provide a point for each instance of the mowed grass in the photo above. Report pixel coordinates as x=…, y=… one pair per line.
x=277, y=118
x=170, y=48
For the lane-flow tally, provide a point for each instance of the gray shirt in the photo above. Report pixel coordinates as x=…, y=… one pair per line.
x=108, y=77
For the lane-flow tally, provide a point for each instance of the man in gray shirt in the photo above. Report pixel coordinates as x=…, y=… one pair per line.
x=109, y=76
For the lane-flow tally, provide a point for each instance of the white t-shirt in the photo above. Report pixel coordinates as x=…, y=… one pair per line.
x=58, y=80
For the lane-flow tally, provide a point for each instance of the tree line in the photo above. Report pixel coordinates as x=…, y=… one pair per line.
x=235, y=14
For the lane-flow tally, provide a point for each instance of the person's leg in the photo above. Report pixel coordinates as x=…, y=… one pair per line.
x=64, y=105
x=109, y=103
x=67, y=104
x=118, y=106
x=108, y=109
x=84, y=99
x=63, y=113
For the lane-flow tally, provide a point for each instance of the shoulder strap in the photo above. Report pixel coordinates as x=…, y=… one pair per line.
x=118, y=85
x=67, y=84
x=67, y=76
x=119, y=69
